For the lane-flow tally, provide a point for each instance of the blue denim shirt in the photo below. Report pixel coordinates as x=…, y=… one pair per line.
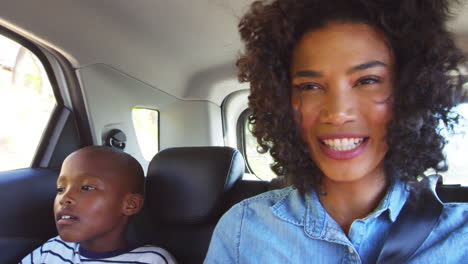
x=283, y=226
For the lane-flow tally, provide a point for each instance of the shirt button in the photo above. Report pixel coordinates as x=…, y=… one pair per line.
x=350, y=249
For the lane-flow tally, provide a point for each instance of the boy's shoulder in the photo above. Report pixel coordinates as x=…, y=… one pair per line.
x=142, y=254
x=58, y=243
x=54, y=250
x=147, y=254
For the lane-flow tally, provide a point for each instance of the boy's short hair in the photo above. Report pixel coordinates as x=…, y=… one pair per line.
x=131, y=167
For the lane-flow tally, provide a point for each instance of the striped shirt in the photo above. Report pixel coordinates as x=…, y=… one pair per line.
x=55, y=250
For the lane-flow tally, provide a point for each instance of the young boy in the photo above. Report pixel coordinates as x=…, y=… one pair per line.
x=98, y=189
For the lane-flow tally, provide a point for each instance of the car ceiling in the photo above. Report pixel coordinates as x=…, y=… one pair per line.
x=184, y=48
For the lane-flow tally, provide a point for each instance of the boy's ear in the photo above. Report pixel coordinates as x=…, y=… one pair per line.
x=132, y=204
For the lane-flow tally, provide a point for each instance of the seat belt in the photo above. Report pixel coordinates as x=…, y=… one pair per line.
x=412, y=227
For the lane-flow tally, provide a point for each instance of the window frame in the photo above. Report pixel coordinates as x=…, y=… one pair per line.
x=241, y=142
x=60, y=108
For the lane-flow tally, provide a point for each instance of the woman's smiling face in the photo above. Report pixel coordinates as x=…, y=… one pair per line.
x=343, y=80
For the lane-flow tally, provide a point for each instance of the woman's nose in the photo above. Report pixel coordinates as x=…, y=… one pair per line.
x=338, y=108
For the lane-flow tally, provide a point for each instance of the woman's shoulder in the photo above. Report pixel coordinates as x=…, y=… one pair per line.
x=286, y=203
x=456, y=207
x=456, y=213
x=268, y=198
x=259, y=202
x=453, y=222
x=449, y=236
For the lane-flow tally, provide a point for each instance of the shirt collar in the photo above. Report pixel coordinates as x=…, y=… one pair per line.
x=101, y=255
x=291, y=207
x=301, y=210
x=306, y=210
x=393, y=201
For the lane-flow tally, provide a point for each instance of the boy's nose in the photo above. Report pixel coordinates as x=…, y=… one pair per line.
x=67, y=198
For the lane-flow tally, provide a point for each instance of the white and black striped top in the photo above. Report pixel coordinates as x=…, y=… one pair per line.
x=55, y=250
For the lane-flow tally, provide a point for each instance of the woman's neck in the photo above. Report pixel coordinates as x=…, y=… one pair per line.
x=348, y=201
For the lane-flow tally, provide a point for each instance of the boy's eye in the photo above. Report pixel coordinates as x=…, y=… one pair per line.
x=87, y=188
x=60, y=189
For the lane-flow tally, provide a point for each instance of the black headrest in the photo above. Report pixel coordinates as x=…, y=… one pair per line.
x=185, y=185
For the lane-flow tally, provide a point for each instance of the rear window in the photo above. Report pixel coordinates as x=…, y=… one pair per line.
x=146, y=123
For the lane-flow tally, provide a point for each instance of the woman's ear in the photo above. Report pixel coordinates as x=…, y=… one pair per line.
x=132, y=204
x=296, y=104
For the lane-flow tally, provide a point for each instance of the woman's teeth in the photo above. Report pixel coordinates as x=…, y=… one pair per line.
x=343, y=144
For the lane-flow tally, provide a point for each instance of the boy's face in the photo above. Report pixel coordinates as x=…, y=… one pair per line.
x=91, y=201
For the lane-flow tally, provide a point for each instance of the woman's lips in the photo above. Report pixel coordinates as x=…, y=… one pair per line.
x=343, y=147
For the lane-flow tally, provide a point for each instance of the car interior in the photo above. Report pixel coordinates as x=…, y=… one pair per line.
x=156, y=79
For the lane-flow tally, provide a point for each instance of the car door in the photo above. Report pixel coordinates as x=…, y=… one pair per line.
x=39, y=128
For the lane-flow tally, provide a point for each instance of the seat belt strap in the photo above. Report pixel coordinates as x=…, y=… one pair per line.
x=412, y=226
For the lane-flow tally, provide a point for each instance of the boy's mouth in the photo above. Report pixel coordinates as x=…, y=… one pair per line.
x=67, y=217
x=64, y=219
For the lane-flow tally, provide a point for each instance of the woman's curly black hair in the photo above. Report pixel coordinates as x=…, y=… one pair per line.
x=429, y=82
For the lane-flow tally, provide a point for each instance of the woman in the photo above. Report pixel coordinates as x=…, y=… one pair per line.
x=347, y=96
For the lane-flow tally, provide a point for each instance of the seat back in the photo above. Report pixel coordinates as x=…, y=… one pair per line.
x=26, y=211
x=187, y=192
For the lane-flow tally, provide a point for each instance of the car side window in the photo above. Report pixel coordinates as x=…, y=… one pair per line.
x=456, y=151
x=26, y=104
x=257, y=163
x=146, y=124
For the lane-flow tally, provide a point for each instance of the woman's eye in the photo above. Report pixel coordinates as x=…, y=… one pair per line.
x=307, y=86
x=87, y=188
x=60, y=189
x=367, y=81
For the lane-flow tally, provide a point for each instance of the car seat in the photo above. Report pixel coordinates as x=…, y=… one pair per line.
x=187, y=191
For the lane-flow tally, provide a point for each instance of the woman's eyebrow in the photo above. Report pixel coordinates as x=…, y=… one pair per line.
x=367, y=65
x=360, y=67
x=308, y=73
